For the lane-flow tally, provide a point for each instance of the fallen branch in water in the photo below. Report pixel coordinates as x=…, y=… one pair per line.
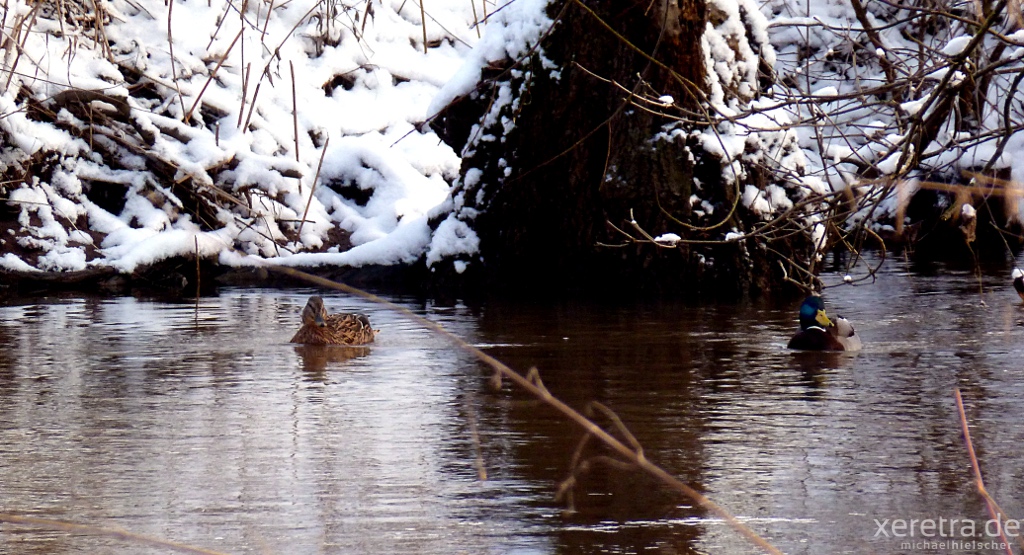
x=101, y=531
x=994, y=510
x=632, y=454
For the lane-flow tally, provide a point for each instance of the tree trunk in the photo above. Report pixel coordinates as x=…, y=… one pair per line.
x=553, y=184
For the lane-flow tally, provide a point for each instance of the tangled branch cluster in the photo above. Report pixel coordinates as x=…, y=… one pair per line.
x=881, y=99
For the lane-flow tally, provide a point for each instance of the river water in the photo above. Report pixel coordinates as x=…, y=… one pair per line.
x=198, y=423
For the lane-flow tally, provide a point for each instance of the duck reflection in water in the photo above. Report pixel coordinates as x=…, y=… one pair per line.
x=316, y=358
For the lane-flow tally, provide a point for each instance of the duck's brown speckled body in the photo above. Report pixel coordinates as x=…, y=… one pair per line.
x=319, y=328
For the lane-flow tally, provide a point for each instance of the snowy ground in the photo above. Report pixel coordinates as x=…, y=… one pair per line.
x=363, y=84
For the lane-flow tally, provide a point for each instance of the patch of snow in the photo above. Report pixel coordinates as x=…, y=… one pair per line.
x=668, y=239
x=453, y=237
x=818, y=237
x=912, y=107
x=957, y=45
x=11, y=261
x=754, y=200
x=62, y=259
x=731, y=62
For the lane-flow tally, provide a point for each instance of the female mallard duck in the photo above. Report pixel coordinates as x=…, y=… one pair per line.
x=1018, y=282
x=819, y=333
x=337, y=329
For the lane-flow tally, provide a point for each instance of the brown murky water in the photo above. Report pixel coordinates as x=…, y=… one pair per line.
x=205, y=427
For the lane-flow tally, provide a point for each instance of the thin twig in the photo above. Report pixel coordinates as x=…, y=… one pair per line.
x=476, y=21
x=423, y=20
x=295, y=116
x=195, y=239
x=213, y=74
x=170, y=47
x=245, y=86
x=270, y=10
x=994, y=510
x=101, y=531
x=312, y=188
x=252, y=104
x=474, y=435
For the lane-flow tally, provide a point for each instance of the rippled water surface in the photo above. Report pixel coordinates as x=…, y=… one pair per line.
x=201, y=424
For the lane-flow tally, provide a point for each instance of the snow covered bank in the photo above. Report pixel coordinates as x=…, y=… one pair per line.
x=293, y=132
x=187, y=138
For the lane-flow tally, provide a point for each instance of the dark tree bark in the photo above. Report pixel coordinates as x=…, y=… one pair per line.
x=582, y=158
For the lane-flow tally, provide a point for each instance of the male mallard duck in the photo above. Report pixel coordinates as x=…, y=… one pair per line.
x=1018, y=281
x=337, y=329
x=819, y=333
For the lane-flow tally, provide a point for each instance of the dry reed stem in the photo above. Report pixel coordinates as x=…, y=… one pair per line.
x=312, y=188
x=994, y=187
x=566, y=489
x=423, y=20
x=266, y=23
x=270, y=235
x=216, y=31
x=366, y=17
x=100, y=33
x=245, y=86
x=474, y=435
x=295, y=116
x=21, y=29
x=195, y=239
x=275, y=52
x=617, y=423
x=532, y=385
x=476, y=20
x=994, y=511
x=101, y=531
x=170, y=47
x=252, y=105
x=213, y=74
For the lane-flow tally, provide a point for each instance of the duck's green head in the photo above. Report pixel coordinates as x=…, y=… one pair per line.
x=812, y=313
